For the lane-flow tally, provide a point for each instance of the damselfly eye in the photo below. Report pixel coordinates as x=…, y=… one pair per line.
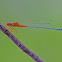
x=8, y=24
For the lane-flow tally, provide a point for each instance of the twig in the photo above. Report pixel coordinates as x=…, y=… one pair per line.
x=20, y=44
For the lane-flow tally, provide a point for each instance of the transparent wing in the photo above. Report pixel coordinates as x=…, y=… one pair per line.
x=38, y=24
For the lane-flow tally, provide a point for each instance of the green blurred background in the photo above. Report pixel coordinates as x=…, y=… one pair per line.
x=45, y=43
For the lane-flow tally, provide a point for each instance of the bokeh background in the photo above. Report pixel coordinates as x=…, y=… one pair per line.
x=44, y=42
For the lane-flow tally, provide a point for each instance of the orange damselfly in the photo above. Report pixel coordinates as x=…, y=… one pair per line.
x=17, y=24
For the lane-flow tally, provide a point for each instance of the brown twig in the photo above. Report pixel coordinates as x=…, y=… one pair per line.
x=20, y=44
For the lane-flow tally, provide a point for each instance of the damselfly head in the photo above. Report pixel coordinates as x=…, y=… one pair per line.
x=8, y=24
